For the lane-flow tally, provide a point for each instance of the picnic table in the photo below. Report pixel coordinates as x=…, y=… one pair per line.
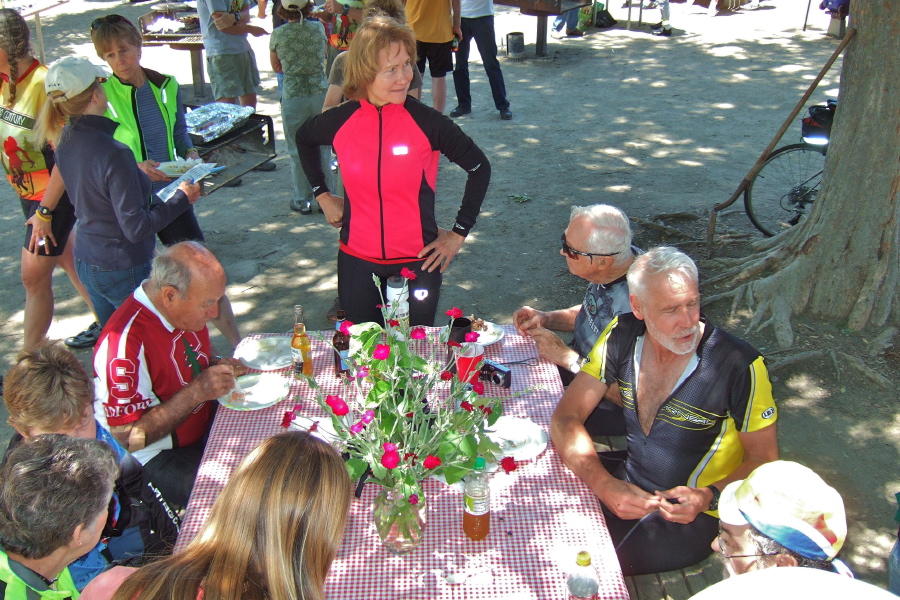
x=543, y=9
x=541, y=513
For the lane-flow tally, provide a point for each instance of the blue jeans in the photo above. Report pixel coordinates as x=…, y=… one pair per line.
x=294, y=112
x=109, y=289
x=482, y=30
x=569, y=18
x=894, y=569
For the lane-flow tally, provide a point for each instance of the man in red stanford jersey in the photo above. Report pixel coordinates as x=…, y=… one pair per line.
x=154, y=369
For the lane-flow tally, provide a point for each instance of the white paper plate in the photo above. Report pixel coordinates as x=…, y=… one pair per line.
x=491, y=334
x=177, y=168
x=324, y=429
x=261, y=390
x=520, y=438
x=265, y=354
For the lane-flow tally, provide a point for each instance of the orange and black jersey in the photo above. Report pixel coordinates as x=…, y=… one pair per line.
x=725, y=390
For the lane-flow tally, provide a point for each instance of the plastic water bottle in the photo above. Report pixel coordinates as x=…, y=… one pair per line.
x=477, y=515
x=398, y=298
x=583, y=582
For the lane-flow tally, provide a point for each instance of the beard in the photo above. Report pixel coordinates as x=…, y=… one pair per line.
x=672, y=343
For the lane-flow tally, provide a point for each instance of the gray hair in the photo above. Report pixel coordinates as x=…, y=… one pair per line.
x=611, y=231
x=663, y=259
x=767, y=549
x=49, y=485
x=168, y=269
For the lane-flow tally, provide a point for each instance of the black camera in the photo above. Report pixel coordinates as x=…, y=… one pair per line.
x=495, y=373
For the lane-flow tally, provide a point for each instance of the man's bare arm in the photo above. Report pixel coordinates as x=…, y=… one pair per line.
x=555, y=320
x=576, y=448
x=161, y=420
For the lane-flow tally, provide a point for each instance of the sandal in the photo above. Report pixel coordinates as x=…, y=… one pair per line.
x=86, y=339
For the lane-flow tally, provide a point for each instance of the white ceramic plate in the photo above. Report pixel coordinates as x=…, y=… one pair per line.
x=177, y=168
x=324, y=429
x=520, y=438
x=491, y=334
x=265, y=354
x=261, y=390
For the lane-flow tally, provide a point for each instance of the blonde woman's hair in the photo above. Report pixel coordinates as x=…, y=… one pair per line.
x=54, y=115
x=374, y=35
x=47, y=389
x=272, y=533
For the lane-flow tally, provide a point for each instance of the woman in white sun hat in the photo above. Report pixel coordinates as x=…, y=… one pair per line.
x=116, y=223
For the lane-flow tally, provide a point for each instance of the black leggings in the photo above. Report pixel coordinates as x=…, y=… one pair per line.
x=653, y=544
x=359, y=296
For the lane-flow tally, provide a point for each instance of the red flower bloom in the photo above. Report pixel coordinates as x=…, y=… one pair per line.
x=446, y=375
x=393, y=323
x=409, y=415
x=431, y=462
x=381, y=352
x=454, y=344
x=368, y=416
x=337, y=405
x=413, y=498
x=391, y=458
x=345, y=327
x=417, y=334
x=408, y=273
x=362, y=373
x=478, y=387
x=287, y=418
x=466, y=406
x=313, y=427
x=380, y=305
x=472, y=336
x=508, y=464
x=357, y=427
x=454, y=312
x=486, y=410
x=297, y=408
x=412, y=455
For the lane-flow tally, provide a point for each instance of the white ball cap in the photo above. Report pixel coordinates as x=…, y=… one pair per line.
x=295, y=4
x=69, y=76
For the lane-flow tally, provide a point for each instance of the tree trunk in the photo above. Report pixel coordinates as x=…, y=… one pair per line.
x=843, y=262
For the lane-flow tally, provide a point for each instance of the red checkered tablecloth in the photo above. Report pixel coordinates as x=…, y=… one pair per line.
x=541, y=514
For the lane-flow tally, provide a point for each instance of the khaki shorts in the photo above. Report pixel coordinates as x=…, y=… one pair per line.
x=233, y=75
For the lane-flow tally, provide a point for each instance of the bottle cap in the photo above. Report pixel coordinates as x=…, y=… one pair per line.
x=479, y=466
x=395, y=281
x=583, y=559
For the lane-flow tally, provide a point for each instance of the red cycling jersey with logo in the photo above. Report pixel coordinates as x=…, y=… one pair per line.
x=389, y=163
x=141, y=361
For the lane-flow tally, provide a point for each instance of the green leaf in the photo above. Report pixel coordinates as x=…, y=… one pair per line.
x=379, y=393
x=496, y=414
x=453, y=473
x=356, y=467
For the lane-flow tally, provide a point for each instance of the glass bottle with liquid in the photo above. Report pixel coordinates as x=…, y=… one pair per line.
x=341, y=343
x=300, y=346
x=477, y=515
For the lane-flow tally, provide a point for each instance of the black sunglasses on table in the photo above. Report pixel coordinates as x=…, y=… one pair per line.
x=574, y=254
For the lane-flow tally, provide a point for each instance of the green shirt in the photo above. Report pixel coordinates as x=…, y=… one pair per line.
x=300, y=46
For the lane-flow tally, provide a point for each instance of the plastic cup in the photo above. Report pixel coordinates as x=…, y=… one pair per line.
x=467, y=363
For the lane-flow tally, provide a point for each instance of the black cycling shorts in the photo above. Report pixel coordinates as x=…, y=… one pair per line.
x=440, y=58
x=62, y=224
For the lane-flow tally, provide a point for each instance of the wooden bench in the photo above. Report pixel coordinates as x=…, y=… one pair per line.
x=543, y=9
x=680, y=584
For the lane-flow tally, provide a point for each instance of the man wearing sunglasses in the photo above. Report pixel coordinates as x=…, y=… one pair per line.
x=597, y=247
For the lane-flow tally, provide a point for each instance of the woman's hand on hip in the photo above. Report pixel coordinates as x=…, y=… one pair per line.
x=441, y=251
x=150, y=170
x=41, y=231
x=191, y=190
x=333, y=207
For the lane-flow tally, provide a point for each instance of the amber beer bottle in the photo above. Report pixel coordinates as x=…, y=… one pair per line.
x=300, y=348
x=341, y=343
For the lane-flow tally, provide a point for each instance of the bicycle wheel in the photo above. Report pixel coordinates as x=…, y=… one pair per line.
x=782, y=193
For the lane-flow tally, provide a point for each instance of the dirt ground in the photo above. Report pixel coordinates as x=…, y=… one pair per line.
x=652, y=125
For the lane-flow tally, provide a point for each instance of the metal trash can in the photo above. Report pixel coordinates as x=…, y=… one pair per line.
x=515, y=45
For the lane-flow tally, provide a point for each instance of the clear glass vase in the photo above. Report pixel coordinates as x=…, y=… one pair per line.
x=400, y=525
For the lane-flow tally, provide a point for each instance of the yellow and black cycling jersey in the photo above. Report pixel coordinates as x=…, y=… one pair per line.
x=693, y=441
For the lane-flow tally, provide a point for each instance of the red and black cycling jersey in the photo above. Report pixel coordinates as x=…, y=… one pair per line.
x=389, y=162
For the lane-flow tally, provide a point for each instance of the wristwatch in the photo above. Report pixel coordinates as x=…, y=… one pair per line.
x=44, y=211
x=237, y=17
x=714, y=503
x=346, y=9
